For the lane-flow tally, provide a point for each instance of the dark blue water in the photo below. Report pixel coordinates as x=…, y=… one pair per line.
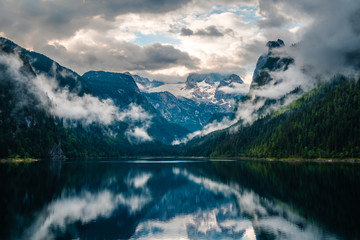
x=179, y=199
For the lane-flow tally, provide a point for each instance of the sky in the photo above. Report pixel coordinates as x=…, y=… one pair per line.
x=167, y=40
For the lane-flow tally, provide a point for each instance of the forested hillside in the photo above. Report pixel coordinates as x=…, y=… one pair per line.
x=323, y=123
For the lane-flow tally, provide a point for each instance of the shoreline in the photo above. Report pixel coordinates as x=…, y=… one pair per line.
x=319, y=160
x=18, y=160
x=293, y=159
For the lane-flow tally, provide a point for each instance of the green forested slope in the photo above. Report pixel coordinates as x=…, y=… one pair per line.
x=322, y=123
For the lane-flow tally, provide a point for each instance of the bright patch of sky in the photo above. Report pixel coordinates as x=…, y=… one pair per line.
x=248, y=14
x=145, y=39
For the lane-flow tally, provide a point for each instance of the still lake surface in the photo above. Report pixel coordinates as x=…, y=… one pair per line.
x=179, y=199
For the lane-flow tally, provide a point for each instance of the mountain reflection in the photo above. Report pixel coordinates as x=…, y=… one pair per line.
x=144, y=200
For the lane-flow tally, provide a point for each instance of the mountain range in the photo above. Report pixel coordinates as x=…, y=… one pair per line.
x=47, y=110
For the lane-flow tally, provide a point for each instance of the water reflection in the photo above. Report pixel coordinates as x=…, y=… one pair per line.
x=181, y=200
x=221, y=211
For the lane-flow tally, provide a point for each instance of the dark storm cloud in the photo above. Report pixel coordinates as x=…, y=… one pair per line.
x=333, y=38
x=186, y=32
x=115, y=7
x=210, y=31
x=157, y=56
x=271, y=15
x=123, y=56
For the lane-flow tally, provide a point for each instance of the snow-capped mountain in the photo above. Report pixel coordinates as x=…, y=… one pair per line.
x=211, y=88
x=214, y=88
x=194, y=102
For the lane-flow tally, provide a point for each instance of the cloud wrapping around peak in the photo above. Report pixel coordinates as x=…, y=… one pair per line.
x=235, y=88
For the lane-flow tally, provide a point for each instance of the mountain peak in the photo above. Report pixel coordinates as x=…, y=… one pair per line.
x=235, y=78
x=111, y=80
x=275, y=44
x=209, y=78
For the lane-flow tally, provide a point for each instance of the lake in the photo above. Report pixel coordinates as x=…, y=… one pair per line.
x=179, y=199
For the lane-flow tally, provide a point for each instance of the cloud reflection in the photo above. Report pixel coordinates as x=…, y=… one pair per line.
x=86, y=207
x=237, y=214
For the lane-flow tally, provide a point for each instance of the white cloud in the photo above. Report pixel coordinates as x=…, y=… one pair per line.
x=235, y=88
x=211, y=127
x=68, y=105
x=135, y=114
x=138, y=135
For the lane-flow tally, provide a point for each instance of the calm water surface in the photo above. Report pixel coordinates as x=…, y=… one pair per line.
x=179, y=199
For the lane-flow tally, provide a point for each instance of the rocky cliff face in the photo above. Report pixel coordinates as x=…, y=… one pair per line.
x=269, y=62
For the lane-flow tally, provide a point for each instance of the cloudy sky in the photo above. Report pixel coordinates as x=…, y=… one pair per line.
x=167, y=40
